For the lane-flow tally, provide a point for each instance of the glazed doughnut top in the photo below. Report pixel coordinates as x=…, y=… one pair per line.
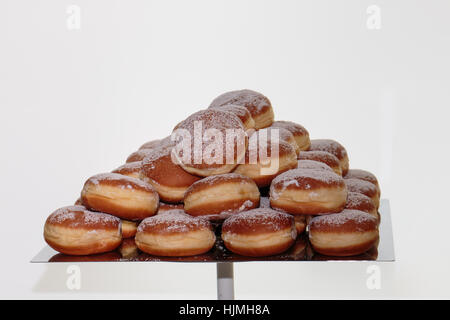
x=172, y=222
x=78, y=217
x=254, y=101
x=259, y=220
x=345, y=221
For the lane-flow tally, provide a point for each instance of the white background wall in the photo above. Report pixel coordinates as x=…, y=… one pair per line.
x=77, y=102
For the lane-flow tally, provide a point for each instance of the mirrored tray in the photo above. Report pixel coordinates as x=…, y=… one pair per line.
x=300, y=251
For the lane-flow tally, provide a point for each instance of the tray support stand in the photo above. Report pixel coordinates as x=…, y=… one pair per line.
x=225, y=281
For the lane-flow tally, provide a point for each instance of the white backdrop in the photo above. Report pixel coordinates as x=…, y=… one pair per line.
x=76, y=101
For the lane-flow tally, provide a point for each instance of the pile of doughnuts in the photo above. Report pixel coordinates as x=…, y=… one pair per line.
x=256, y=192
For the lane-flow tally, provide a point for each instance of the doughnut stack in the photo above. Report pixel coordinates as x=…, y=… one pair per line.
x=256, y=192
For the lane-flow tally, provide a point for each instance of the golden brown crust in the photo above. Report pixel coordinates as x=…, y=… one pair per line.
x=363, y=175
x=312, y=164
x=364, y=187
x=138, y=155
x=300, y=223
x=130, y=169
x=74, y=230
x=334, y=148
x=259, y=232
x=122, y=196
x=241, y=112
x=358, y=201
x=255, y=102
x=257, y=221
x=256, y=168
x=308, y=191
x=175, y=233
x=227, y=193
x=347, y=233
x=220, y=121
x=322, y=156
x=301, y=135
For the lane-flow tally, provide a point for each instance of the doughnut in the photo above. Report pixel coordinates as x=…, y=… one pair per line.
x=130, y=169
x=363, y=175
x=129, y=229
x=300, y=223
x=125, y=197
x=364, y=187
x=167, y=177
x=358, y=201
x=242, y=113
x=348, y=233
x=264, y=169
x=128, y=248
x=259, y=232
x=151, y=144
x=216, y=140
x=175, y=233
x=307, y=191
x=78, y=202
x=221, y=195
x=312, y=164
x=138, y=155
x=283, y=135
x=163, y=207
x=301, y=135
x=322, y=156
x=259, y=106
x=334, y=148
x=74, y=230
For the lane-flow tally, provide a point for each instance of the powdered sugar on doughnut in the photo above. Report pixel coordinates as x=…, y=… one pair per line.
x=79, y=217
x=257, y=218
x=330, y=146
x=347, y=216
x=172, y=221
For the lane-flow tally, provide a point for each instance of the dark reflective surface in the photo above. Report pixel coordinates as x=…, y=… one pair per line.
x=300, y=251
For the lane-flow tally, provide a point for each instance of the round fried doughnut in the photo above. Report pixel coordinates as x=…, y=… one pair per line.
x=358, y=201
x=259, y=106
x=125, y=197
x=300, y=223
x=363, y=175
x=347, y=233
x=129, y=229
x=168, y=178
x=283, y=135
x=364, y=187
x=163, y=207
x=175, y=233
x=264, y=169
x=301, y=135
x=221, y=195
x=322, y=156
x=242, y=113
x=207, y=156
x=76, y=231
x=130, y=169
x=312, y=164
x=259, y=232
x=307, y=191
x=334, y=148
